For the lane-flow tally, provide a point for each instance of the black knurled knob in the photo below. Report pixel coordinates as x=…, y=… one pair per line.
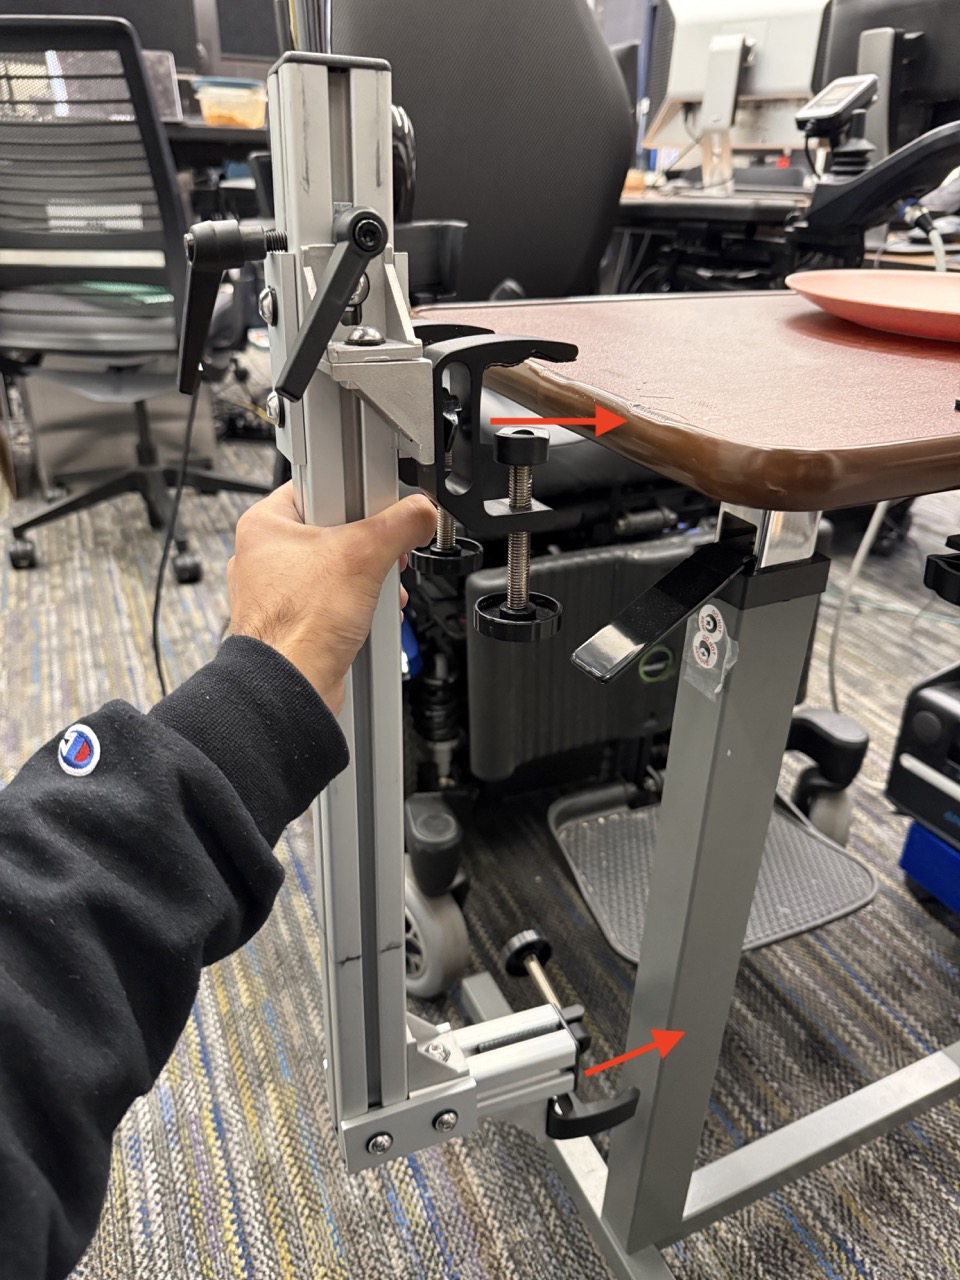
x=522, y=446
x=522, y=945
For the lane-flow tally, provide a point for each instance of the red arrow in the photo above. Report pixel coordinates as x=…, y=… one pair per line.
x=603, y=420
x=663, y=1041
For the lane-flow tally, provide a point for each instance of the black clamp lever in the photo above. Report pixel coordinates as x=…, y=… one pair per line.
x=942, y=572
x=649, y=618
x=211, y=249
x=360, y=234
x=567, y=1115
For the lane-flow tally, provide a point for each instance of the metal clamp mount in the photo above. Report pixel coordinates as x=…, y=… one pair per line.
x=567, y=1115
x=461, y=463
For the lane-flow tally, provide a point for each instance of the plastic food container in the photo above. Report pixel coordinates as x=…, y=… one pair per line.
x=231, y=104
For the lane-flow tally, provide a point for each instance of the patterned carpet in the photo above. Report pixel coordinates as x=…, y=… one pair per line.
x=229, y=1168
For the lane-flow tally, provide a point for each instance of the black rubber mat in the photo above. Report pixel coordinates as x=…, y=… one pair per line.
x=805, y=879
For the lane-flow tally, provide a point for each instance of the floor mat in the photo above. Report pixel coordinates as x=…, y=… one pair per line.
x=805, y=880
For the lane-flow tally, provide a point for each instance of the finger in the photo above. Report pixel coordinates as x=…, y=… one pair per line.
x=281, y=502
x=404, y=599
x=407, y=524
x=404, y=562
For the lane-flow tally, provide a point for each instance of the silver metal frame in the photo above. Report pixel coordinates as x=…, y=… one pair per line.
x=395, y=1082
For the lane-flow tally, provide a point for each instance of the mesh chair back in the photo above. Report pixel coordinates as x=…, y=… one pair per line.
x=523, y=125
x=87, y=186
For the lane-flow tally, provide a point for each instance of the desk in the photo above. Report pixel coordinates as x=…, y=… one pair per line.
x=758, y=399
x=655, y=208
x=196, y=145
x=666, y=237
x=779, y=411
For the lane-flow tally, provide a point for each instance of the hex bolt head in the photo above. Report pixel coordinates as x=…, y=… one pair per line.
x=522, y=446
x=360, y=293
x=364, y=335
x=274, y=409
x=446, y=1121
x=380, y=1144
x=368, y=234
x=267, y=305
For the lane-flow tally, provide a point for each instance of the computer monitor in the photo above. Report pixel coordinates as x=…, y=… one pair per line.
x=696, y=56
x=162, y=24
x=238, y=37
x=914, y=47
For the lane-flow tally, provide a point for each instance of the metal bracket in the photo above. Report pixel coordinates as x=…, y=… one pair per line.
x=280, y=275
x=458, y=369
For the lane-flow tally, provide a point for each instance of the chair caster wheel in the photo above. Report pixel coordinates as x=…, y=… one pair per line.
x=436, y=942
x=157, y=521
x=188, y=567
x=23, y=554
x=56, y=493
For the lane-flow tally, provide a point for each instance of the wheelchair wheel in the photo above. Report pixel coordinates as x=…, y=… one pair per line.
x=436, y=942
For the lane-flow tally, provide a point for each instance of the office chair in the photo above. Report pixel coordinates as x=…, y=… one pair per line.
x=91, y=244
x=524, y=130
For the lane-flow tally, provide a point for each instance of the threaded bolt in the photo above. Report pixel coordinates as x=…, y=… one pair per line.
x=520, y=496
x=446, y=538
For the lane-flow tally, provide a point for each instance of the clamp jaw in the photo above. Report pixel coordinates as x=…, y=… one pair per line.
x=461, y=463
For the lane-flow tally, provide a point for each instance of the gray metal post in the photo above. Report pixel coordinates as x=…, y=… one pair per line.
x=330, y=128
x=719, y=793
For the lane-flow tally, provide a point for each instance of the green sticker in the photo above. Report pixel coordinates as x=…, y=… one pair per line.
x=658, y=664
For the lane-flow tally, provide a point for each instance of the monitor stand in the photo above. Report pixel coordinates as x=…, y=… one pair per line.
x=728, y=56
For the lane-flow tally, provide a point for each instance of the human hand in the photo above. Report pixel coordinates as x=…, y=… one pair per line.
x=310, y=592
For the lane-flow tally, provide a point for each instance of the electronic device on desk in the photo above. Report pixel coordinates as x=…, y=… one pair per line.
x=729, y=76
x=924, y=780
x=169, y=25
x=911, y=46
x=238, y=37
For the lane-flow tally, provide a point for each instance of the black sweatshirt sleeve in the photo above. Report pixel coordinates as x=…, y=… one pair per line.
x=117, y=885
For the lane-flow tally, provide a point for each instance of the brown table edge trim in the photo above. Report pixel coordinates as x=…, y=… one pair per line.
x=742, y=475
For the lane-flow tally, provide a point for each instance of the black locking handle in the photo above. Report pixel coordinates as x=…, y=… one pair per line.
x=211, y=249
x=653, y=615
x=569, y=1117
x=360, y=235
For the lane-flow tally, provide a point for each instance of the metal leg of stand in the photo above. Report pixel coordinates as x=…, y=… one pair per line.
x=718, y=797
x=577, y=1160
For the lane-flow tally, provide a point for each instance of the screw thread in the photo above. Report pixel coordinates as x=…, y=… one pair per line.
x=520, y=495
x=518, y=570
x=520, y=490
x=274, y=241
x=446, y=538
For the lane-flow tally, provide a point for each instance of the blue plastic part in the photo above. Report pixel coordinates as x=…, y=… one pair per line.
x=934, y=864
x=412, y=658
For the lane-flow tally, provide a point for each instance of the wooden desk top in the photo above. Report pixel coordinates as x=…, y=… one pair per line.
x=755, y=399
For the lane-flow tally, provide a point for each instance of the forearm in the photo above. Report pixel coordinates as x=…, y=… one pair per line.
x=116, y=887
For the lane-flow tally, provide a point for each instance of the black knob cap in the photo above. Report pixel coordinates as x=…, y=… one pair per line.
x=522, y=945
x=522, y=446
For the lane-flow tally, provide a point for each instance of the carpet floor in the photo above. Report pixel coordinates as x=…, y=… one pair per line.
x=229, y=1168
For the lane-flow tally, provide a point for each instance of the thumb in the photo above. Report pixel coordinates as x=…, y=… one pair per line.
x=409, y=523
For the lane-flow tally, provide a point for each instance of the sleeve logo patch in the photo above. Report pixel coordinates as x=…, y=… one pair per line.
x=79, y=751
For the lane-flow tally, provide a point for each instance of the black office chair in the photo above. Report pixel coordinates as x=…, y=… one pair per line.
x=524, y=130
x=91, y=243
